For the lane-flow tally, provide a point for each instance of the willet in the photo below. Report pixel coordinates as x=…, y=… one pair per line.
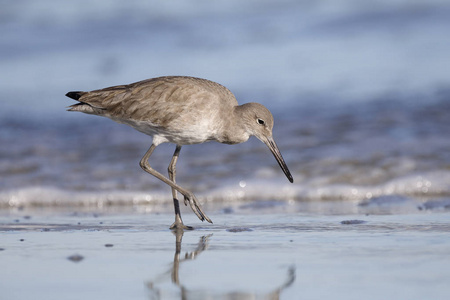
x=183, y=111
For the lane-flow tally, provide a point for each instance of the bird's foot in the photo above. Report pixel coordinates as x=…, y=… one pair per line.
x=180, y=226
x=196, y=207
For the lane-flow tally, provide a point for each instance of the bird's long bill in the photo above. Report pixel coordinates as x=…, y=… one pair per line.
x=277, y=154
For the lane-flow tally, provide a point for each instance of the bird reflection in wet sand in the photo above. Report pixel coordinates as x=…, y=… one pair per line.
x=156, y=286
x=201, y=246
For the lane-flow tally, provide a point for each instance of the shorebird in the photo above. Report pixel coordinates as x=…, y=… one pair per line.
x=183, y=111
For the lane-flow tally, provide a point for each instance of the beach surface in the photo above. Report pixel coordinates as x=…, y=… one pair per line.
x=259, y=250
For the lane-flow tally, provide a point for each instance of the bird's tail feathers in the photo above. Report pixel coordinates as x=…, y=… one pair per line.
x=75, y=95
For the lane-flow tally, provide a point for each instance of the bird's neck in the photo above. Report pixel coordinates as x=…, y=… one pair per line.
x=234, y=130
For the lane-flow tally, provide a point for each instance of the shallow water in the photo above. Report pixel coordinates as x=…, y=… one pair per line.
x=242, y=256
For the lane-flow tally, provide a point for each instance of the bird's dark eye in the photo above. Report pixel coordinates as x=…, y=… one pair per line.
x=261, y=121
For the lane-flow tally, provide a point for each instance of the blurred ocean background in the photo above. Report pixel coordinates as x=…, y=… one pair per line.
x=360, y=92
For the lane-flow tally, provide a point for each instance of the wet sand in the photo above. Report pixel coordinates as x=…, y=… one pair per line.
x=244, y=255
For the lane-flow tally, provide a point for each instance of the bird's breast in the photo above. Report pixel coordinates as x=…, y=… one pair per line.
x=188, y=134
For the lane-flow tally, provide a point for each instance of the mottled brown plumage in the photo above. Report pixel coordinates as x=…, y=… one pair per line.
x=181, y=110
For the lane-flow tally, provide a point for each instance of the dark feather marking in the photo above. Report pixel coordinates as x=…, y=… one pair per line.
x=75, y=95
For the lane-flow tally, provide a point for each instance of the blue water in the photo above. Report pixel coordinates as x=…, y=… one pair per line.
x=360, y=93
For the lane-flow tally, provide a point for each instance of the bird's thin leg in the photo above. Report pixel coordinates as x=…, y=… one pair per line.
x=188, y=196
x=178, y=224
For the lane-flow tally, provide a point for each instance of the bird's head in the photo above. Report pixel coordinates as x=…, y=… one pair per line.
x=259, y=122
